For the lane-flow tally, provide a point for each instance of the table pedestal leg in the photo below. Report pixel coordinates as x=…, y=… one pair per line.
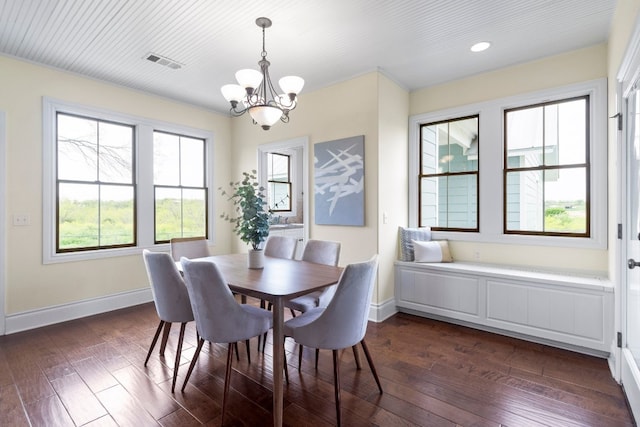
x=278, y=360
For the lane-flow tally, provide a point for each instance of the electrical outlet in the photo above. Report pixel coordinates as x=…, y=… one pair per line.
x=21, y=220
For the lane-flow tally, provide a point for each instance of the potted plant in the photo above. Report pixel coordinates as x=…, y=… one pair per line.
x=252, y=218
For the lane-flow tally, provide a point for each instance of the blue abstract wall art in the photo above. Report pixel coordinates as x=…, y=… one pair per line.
x=339, y=182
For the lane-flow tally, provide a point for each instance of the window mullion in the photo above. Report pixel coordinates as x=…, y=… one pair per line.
x=145, y=189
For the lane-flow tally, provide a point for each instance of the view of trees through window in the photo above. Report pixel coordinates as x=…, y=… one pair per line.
x=179, y=181
x=95, y=184
x=546, y=168
x=96, y=187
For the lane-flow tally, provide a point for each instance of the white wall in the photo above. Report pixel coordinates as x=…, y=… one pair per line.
x=573, y=67
x=30, y=285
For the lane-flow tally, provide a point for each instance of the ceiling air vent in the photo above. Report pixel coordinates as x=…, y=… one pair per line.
x=163, y=60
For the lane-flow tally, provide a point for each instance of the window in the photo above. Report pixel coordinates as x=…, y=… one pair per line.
x=115, y=183
x=180, y=193
x=95, y=184
x=279, y=182
x=543, y=175
x=448, y=180
x=546, y=174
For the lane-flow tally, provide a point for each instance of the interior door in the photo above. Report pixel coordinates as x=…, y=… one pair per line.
x=630, y=373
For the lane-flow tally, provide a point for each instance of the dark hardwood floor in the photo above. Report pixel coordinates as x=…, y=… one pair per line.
x=90, y=372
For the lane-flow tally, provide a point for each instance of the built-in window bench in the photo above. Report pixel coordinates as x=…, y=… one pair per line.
x=563, y=310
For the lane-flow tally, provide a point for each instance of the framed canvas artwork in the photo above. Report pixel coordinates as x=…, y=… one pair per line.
x=339, y=182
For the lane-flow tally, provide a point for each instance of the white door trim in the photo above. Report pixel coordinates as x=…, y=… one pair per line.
x=301, y=142
x=3, y=219
x=626, y=79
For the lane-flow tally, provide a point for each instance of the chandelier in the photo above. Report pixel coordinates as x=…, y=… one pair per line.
x=255, y=92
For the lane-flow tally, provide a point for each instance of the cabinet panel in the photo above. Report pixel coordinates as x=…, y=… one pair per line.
x=575, y=312
x=442, y=291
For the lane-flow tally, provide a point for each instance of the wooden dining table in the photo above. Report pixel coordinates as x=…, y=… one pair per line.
x=280, y=280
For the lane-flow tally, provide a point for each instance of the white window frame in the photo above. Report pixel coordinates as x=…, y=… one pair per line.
x=144, y=128
x=491, y=125
x=287, y=147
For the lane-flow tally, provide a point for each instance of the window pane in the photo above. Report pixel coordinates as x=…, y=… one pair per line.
x=556, y=204
x=428, y=150
x=166, y=155
x=525, y=132
x=77, y=148
x=278, y=167
x=116, y=215
x=168, y=208
x=572, y=130
x=565, y=201
x=78, y=216
x=524, y=201
x=429, y=202
x=279, y=196
x=449, y=201
x=116, y=153
x=194, y=213
x=192, y=162
x=463, y=145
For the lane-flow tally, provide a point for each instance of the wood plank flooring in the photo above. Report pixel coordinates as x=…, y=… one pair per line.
x=89, y=372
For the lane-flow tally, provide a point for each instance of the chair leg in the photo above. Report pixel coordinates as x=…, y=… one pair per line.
x=286, y=368
x=248, y=351
x=153, y=343
x=300, y=348
x=165, y=337
x=183, y=325
x=370, y=361
x=235, y=344
x=317, y=355
x=193, y=363
x=336, y=384
x=293, y=313
x=264, y=341
x=356, y=355
x=227, y=377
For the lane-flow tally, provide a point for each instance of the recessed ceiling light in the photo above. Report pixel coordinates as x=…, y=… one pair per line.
x=479, y=47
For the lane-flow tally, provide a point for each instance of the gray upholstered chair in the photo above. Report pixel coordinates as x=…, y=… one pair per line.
x=188, y=247
x=280, y=247
x=196, y=247
x=343, y=323
x=219, y=317
x=319, y=252
x=171, y=300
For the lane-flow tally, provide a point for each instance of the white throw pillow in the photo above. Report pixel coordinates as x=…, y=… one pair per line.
x=432, y=251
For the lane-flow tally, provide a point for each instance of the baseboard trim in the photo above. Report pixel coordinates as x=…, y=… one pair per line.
x=381, y=312
x=61, y=313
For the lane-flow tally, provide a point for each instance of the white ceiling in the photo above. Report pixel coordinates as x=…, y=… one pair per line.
x=417, y=43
